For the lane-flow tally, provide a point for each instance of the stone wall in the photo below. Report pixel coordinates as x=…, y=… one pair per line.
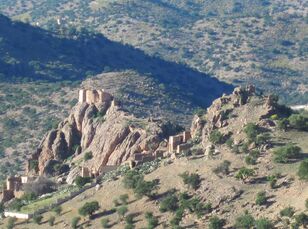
x=17, y=215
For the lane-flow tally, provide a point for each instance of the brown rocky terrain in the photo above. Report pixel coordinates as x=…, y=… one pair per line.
x=105, y=131
x=229, y=195
x=231, y=113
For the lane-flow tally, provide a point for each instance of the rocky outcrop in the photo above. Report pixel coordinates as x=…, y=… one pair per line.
x=233, y=112
x=110, y=134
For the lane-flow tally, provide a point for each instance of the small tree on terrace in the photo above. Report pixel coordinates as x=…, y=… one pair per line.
x=131, y=179
x=89, y=208
x=146, y=188
x=169, y=203
x=192, y=180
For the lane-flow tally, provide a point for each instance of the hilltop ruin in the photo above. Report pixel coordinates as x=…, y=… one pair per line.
x=92, y=96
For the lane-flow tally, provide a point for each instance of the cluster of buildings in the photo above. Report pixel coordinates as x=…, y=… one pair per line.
x=13, y=187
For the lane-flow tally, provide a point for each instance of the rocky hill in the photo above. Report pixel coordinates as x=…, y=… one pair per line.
x=40, y=72
x=109, y=135
x=242, y=168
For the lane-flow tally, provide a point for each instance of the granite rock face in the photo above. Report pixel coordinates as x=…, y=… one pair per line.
x=110, y=134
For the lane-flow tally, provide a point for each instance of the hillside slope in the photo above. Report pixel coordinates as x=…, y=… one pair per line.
x=41, y=71
x=218, y=164
x=260, y=42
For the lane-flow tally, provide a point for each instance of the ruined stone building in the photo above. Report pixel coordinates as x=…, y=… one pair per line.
x=178, y=142
x=14, y=187
x=94, y=96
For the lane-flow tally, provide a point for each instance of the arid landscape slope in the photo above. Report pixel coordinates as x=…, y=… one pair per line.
x=237, y=152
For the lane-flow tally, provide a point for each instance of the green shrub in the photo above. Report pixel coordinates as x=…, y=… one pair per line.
x=176, y=220
x=146, y=188
x=230, y=143
x=244, y=148
x=152, y=221
x=122, y=211
x=244, y=173
x=283, y=124
x=250, y=160
x=274, y=117
x=105, y=223
x=261, y=198
x=129, y=219
x=264, y=223
x=302, y=219
x=272, y=181
x=169, y=203
x=129, y=226
x=216, y=223
x=82, y=181
x=287, y=212
x=216, y=137
x=33, y=165
x=298, y=121
x=252, y=131
x=192, y=180
x=200, y=112
x=88, y=208
x=200, y=209
x=57, y=209
x=306, y=204
x=116, y=202
x=75, y=222
x=262, y=139
x=131, y=179
x=303, y=170
x=88, y=156
x=124, y=198
x=11, y=223
x=51, y=220
x=16, y=204
x=223, y=168
x=244, y=221
x=285, y=153
x=37, y=219
x=29, y=196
